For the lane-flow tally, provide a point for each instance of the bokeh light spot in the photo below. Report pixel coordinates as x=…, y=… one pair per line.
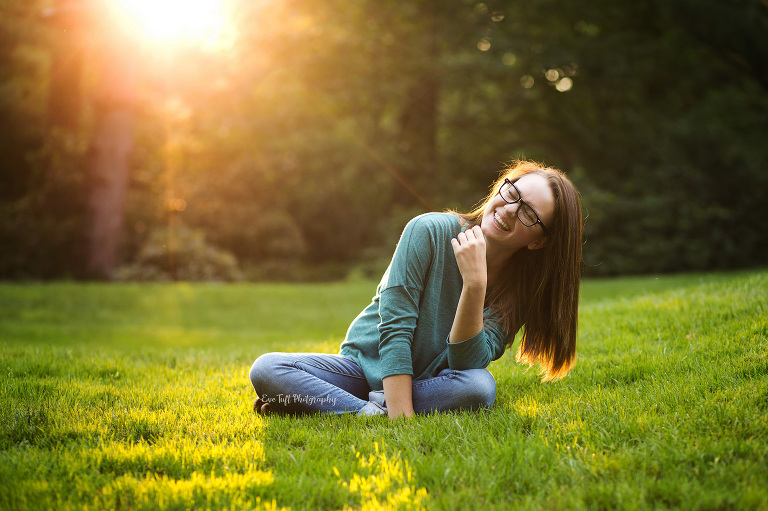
x=564, y=85
x=484, y=44
x=552, y=75
x=177, y=204
x=527, y=81
x=481, y=8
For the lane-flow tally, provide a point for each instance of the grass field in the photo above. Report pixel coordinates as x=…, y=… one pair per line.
x=136, y=397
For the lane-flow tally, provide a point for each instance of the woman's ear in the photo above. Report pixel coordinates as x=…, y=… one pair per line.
x=539, y=243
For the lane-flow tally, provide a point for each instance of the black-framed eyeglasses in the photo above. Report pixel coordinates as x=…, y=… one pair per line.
x=525, y=213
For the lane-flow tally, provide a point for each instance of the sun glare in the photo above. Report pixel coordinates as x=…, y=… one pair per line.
x=174, y=19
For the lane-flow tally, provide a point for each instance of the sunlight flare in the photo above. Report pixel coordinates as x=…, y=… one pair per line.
x=174, y=19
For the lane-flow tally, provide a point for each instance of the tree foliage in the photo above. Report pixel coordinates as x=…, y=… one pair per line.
x=314, y=136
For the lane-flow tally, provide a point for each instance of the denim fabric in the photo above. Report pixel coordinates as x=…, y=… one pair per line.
x=300, y=383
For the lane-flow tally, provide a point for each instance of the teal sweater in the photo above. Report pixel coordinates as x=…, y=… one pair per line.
x=405, y=328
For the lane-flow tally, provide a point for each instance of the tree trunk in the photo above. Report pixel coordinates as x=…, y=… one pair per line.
x=108, y=161
x=417, y=142
x=64, y=95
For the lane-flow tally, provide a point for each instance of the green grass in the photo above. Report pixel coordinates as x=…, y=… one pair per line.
x=136, y=397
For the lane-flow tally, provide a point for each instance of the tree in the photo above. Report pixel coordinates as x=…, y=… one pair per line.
x=108, y=158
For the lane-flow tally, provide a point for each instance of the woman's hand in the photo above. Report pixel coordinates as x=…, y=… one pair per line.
x=398, y=393
x=469, y=248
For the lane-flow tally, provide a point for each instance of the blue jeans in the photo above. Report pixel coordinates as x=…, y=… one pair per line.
x=301, y=383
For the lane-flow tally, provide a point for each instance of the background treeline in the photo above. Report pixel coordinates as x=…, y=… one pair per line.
x=299, y=147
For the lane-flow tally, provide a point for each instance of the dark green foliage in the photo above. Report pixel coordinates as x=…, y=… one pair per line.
x=40, y=229
x=308, y=144
x=184, y=254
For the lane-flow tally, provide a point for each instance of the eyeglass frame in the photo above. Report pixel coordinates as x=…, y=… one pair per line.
x=521, y=201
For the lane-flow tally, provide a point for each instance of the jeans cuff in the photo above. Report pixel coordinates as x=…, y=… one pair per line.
x=372, y=408
x=377, y=396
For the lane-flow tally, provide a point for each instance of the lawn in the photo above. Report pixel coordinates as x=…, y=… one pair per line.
x=135, y=396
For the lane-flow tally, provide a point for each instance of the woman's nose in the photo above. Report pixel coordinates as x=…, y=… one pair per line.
x=512, y=208
x=510, y=211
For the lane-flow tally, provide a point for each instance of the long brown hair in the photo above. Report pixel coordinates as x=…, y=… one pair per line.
x=539, y=289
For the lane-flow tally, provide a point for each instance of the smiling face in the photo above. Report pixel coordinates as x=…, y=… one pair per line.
x=503, y=229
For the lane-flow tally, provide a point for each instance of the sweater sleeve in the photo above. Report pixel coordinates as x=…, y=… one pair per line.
x=478, y=351
x=401, y=291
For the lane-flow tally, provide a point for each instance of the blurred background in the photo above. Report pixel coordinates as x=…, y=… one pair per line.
x=293, y=139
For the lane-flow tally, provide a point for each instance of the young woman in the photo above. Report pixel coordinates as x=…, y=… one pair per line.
x=458, y=289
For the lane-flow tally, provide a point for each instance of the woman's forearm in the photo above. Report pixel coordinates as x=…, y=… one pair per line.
x=398, y=393
x=469, y=248
x=469, y=313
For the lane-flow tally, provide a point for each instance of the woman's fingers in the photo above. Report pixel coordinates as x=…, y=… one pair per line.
x=470, y=235
x=469, y=248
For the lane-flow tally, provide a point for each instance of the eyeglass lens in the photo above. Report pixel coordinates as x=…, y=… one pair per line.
x=524, y=212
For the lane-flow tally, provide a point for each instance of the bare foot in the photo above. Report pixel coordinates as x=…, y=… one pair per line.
x=260, y=406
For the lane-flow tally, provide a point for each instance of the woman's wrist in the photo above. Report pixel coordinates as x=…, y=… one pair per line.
x=468, y=321
x=475, y=286
x=398, y=393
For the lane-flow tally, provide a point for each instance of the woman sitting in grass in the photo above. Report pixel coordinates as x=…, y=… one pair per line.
x=458, y=289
